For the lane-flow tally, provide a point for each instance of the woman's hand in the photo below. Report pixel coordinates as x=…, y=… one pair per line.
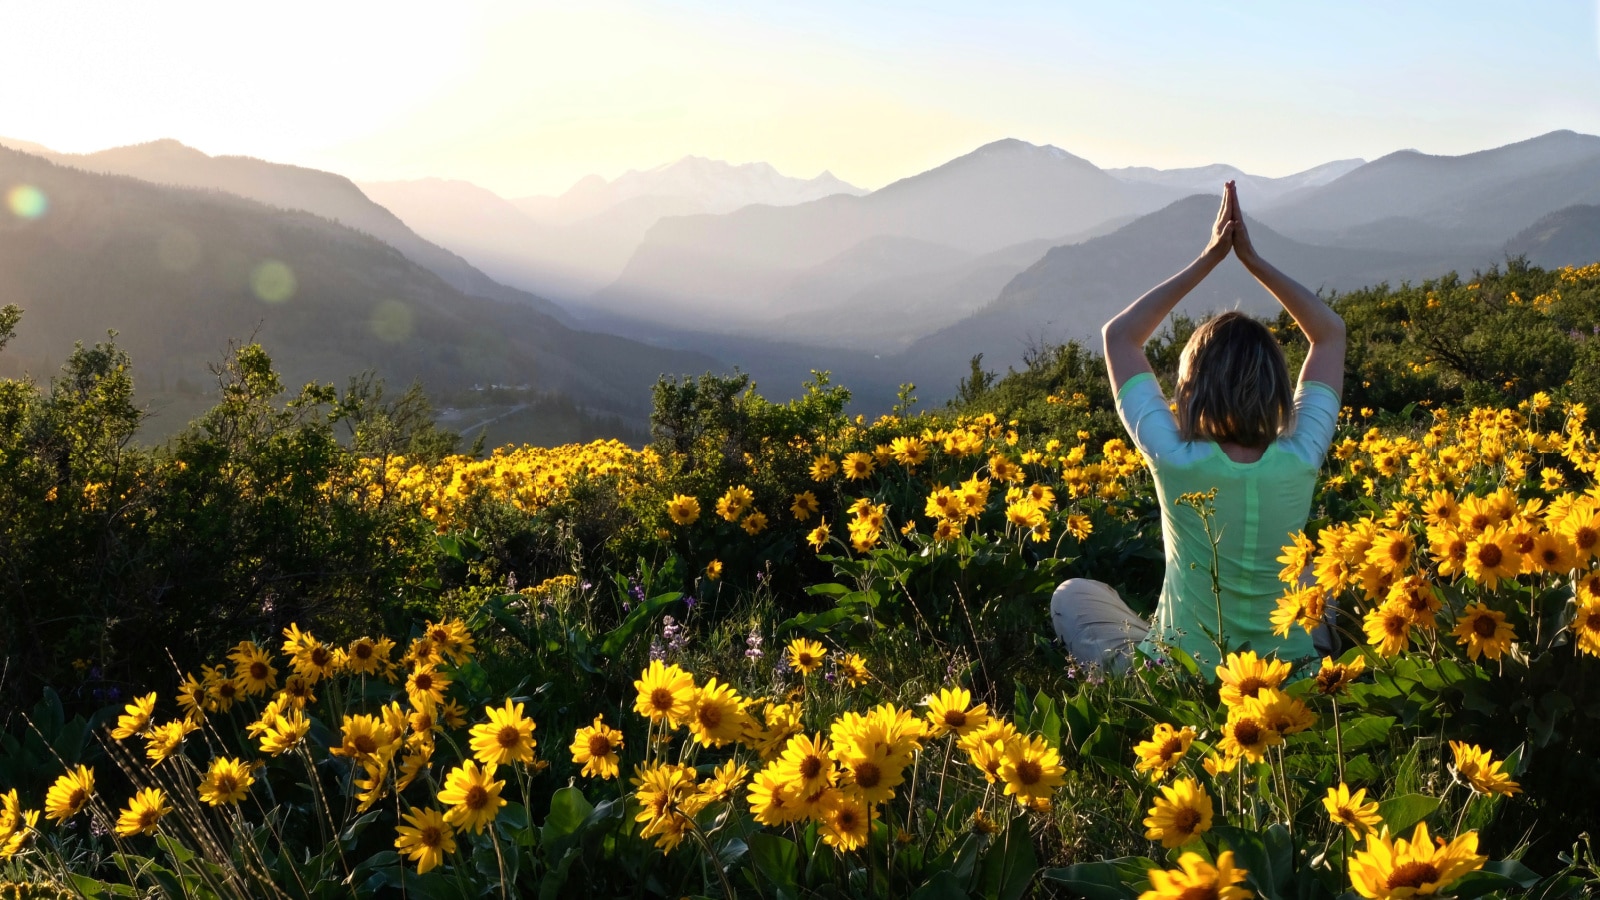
x=1224, y=228
x=1242, y=247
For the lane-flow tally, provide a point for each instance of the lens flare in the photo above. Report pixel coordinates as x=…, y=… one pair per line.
x=273, y=282
x=27, y=202
x=391, y=321
x=179, y=250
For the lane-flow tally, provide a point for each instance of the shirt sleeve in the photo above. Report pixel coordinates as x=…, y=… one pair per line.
x=1144, y=412
x=1316, y=414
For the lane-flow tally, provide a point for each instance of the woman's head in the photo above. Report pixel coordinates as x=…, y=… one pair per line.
x=1233, y=383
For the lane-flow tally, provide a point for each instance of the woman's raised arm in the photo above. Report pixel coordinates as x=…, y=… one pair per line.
x=1125, y=335
x=1322, y=326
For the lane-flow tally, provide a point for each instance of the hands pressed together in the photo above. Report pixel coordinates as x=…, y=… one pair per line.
x=1229, y=232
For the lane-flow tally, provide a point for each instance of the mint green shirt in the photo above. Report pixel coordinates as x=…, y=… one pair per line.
x=1258, y=506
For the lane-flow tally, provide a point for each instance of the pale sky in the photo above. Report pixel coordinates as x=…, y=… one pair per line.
x=525, y=98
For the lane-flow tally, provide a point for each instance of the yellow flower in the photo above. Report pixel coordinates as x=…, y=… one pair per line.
x=1348, y=810
x=823, y=468
x=806, y=763
x=472, y=795
x=805, y=655
x=1245, y=674
x=144, y=812
x=1586, y=624
x=845, y=820
x=452, y=638
x=366, y=656
x=772, y=798
x=226, y=781
x=1180, y=814
x=1491, y=557
x=1482, y=770
x=1196, y=878
x=818, y=538
x=952, y=710
x=282, y=733
x=425, y=838
x=1303, y=606
x=1388, y=628
x=755, y=523
x=595, y=748
x=714, y=569
x=136, y=719
x=853, y=669
x=364, y=737
x=425, y=687
x=506, y=738
x=716, y=715
x=1334, y=677
x=733, y=503
x=666, y=693
x=859, y=465
x=669, y=799
x=683, y=510
x=1397, y=868
x=69, y=795
x=1245, y=734
x=253, y=672
x=724, y=782
x=1167, y=745
x=1031, y=769
x=16, y=824
x=1484, y=632
x=805, y=505
x=163, y=741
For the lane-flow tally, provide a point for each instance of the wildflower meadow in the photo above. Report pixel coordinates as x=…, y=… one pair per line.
x=313, y=648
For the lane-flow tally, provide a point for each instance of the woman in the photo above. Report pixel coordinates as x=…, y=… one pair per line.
x=1237, y=430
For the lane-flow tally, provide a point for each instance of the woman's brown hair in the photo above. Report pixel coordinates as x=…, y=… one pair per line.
x=1233, y=383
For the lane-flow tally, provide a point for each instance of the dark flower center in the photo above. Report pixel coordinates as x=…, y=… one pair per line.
x=661, y=699
x=868, y=775
x=599, y=746
x=1485, y=626
x=477, y=797
x=509, y=736
x=1413, y=875
x=1490, y=556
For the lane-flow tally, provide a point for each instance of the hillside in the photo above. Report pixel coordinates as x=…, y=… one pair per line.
x=179, y=273
x=1566, y=237
x=1413, y=202
x=1253, y=189
x=325, y=194
x=721, y=271
x=1073, y=289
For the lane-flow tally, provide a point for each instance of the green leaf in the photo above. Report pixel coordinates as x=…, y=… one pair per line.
x=1010, y=865
x=1366, y=730
x=568, y=810
x=1092, y=881
x=777, y=859
x=1402, y=813
x=618, y=637
x=942, y=886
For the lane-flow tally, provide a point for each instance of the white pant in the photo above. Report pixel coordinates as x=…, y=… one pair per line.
x=1097, y=627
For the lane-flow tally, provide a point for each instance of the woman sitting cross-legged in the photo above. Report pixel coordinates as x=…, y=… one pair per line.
x=1239, y=430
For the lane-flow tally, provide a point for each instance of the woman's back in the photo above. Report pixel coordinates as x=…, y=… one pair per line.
x=1256, y=505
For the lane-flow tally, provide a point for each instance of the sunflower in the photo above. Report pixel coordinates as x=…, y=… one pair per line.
x=1196, y=878
x=1439, y=508
x=136, y=719
x=425, y=686
x=714, y=570
x=666, y=693
x=806, y=655
x=506, y=738
x=226, y=781
x=772, y=798
x=669, y=799
x=845, y=820
x=683, y=509
x=1482, y=770
x=1475, y=515
x=425, y=838
x=1391, y=551
x=1245, y=734
x=724, y=782
x=1492, y=557
x=1334, y=677
x=805, y=506
x=1586, y=618
x=1245, y=674
x=951, y=710
x=284, y=732
x=1031, y=769
x=1167, y=745
x=1419, y=598
x=853, y=669
x=595, y=748
x=755, y=523
x=1553, y=553
x=1582, y=528
x=1484, y=632
x=733, y=503
x=69, y=795
x=1388, y=628
x=192, y=698
x=1448, y=547
x=253, y=672
x=1180, y=814
x=946, y=531
x=872, y=769
x=473, y=796
x=453, y=639
x=366, y=656
x=144, y=812
x=162, y=741
x=823, y=468
x=15, y=824
x=1397, y=868
x=808, y=764
x=716, y=715
x=1303, y=606
x=414, y=761
x=1347, y=809
x=818, y=536
x=859, y=465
